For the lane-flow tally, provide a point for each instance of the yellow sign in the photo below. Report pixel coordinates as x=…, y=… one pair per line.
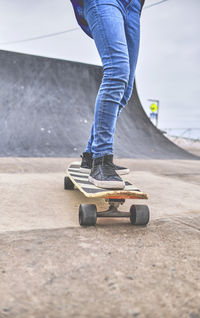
x=154, y=107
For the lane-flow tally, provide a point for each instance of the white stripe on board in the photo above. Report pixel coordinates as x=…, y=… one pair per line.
x=80, y=178
x=89, y=186
x=74, y=169
x=79, y=173
x=131, y=188
x=75, y=163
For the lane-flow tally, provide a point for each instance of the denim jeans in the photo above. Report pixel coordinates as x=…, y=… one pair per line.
x=115, y=27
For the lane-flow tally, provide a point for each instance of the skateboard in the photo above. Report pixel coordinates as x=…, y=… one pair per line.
x=138, y=214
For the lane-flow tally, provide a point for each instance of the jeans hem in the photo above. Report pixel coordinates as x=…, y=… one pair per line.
x=101, y=154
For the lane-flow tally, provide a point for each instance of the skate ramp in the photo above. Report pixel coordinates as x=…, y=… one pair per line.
x=47, y=110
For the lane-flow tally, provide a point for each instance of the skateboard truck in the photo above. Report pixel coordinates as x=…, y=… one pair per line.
x=113, y=211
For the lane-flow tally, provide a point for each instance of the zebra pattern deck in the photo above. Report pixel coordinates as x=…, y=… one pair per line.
x=80, y=180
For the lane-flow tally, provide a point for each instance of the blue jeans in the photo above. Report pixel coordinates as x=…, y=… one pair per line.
x=115, y=27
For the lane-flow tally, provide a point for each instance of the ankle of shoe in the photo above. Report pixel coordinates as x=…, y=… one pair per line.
x=108, y=158
x=97, y=161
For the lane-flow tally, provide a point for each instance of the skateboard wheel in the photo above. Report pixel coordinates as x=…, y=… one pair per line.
x=87, y=214
x=68, y=184
x=139, y=214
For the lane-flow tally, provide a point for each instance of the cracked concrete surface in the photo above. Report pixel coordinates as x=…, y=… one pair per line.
x=50, y=267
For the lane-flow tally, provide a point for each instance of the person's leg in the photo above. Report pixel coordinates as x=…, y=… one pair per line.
x=107, y=26
x=86, y=162
x=90, y=141
x=132, y=30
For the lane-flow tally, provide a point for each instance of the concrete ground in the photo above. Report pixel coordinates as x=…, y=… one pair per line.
x=50, y=267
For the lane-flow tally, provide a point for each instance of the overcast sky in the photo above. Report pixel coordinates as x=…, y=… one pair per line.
x=168, y=67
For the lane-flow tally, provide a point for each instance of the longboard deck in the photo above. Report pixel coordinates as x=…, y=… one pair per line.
x=80, y=180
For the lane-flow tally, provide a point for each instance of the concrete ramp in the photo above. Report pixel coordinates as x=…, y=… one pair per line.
x=47, y=106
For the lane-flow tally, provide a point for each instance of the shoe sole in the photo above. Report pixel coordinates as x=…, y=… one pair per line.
x=119, y=172
x=122, y=171
x=120, y=185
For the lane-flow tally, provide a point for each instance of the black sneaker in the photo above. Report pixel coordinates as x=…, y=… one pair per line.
x=120, y=170
x=86, y=163
x=103, y=174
